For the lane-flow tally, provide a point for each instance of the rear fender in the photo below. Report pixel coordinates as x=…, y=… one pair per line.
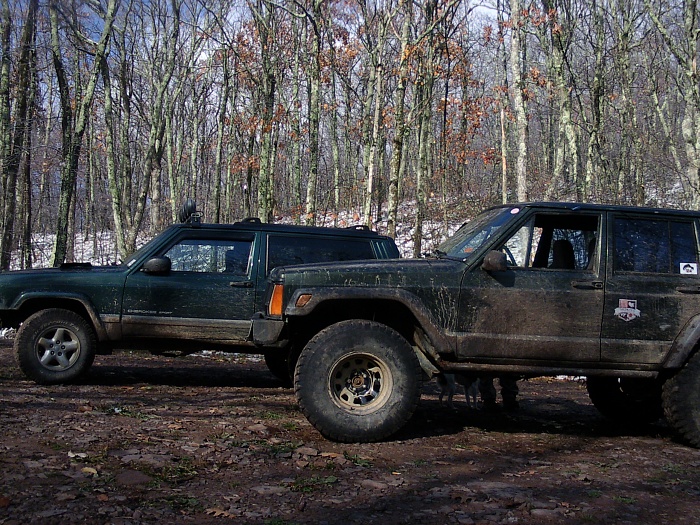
x=684, y=344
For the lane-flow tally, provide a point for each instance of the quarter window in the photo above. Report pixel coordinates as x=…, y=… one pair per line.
x=288, y=250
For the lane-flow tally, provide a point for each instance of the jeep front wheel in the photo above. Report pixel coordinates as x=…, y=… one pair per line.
x=681, y=401
x=630, y=400
x=55, y=346
x=358, y=381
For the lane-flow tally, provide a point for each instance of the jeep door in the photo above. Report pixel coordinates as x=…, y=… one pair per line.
x=652, y=288
x=208, y=293
x=547, y=306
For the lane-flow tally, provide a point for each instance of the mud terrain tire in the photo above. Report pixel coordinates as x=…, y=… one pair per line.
x=626, y=399
x=358, y=381
x=681, y=401
x=55, y=346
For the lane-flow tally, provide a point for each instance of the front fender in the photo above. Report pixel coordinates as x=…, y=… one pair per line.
x=52, y=299
x=322, y=296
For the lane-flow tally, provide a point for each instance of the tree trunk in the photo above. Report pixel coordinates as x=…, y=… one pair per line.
x=314, y=113
x=14, y=144
x=400, y=117
x=73, y=126
x=521, y=125
x=685, y=47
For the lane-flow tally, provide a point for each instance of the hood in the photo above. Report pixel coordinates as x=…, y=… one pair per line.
x=384, y=272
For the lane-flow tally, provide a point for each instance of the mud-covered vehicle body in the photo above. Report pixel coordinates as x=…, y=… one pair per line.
x=535, y=289
x=195, y=286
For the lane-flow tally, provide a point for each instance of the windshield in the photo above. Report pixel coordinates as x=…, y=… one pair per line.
x=138, y=253
x=472, y=235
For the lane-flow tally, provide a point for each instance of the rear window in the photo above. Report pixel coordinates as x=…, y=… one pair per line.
x=284, y=250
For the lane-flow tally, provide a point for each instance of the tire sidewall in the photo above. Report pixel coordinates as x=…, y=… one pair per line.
x=35, y=326
x=401, y=380
x=681, y=401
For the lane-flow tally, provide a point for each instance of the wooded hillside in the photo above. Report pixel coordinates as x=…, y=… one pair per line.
x=112, y=112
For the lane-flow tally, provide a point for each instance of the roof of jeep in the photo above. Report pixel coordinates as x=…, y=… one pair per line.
x=255, y=225
x=580, y=206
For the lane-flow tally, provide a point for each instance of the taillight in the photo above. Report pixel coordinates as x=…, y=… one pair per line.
x=275, y=306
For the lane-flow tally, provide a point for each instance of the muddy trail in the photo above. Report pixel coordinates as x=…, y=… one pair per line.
x=215, y=439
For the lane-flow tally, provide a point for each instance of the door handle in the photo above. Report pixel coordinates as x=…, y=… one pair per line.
x=587, y=285
x=241, y=284
x=688, y=289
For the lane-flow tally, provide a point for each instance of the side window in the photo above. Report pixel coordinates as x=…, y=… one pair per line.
x=286, y=250
x=655, y=246
x=557, y=242
x=211, y=256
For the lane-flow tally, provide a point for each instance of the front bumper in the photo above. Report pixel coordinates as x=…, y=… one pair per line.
x=267, y=332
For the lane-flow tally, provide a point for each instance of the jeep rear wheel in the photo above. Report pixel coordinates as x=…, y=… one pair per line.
x=55, y=346
x=681, y=401
x=624, y=399
x=358, y=381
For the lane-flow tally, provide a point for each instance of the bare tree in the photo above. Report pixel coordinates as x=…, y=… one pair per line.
x=683, y=42
x=74, y=123
x=15, y=131
x=519, y=105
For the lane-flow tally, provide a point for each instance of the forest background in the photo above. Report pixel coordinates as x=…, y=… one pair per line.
x=112, y=112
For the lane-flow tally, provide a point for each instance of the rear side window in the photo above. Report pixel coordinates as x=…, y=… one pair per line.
x=283, y=250
x=655, y=246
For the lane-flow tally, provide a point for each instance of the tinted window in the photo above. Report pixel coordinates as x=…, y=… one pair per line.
x=288, y=250
x=655, y=246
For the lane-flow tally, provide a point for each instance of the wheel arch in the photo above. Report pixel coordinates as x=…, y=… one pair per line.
x=396, y=309
x=685, y=345
x=29, y=304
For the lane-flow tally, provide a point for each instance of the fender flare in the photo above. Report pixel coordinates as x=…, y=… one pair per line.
x=426, y=321
x=93, y=317
x=684, y=344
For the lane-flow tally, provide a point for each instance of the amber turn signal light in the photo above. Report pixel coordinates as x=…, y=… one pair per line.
x=303, y=300
x=275, y=308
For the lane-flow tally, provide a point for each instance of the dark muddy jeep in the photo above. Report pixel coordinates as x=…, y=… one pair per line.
x=195, y=286
x=541, y=289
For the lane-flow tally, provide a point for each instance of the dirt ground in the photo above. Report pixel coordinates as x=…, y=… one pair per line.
x=215, y=439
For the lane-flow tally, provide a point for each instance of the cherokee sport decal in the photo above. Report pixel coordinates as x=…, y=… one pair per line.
x=627, y=311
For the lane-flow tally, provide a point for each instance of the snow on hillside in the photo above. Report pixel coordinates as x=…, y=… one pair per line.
x=100, y=249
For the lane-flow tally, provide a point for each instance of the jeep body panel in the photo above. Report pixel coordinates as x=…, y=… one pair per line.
x=206, y=294
x=535, y=315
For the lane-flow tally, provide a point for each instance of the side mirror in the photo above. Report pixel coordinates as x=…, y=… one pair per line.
x=157, y=266
x=495, y=261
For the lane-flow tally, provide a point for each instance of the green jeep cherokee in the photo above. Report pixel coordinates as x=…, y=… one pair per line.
x=195, y=286
x=535, y=289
